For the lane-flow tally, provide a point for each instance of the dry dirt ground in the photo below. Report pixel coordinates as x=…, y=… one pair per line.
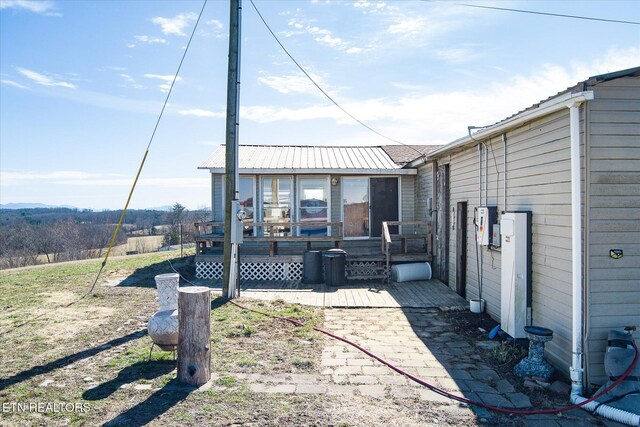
x=94, y=355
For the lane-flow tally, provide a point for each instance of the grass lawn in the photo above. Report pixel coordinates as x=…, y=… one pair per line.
x=95, y=353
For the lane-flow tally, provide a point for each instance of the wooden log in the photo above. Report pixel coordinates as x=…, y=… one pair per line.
x=194, y=335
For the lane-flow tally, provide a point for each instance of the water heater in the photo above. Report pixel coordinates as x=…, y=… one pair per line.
x=515, y=301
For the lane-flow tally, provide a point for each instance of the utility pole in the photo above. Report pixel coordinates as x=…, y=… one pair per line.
x=230, y=279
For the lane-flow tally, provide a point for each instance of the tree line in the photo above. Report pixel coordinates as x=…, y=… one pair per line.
x=41, y=235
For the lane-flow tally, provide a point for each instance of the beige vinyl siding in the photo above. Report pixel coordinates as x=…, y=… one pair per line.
x=407, y=202
x=423, y=192
x=613, y=221
x=216, y=197
x=538, y=180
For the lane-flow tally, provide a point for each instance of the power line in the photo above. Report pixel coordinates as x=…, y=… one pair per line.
x=153, y=134
x=559, y=15
x=323, y=91
x=119, y=224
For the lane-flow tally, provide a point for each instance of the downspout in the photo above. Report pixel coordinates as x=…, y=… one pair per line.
x=486, y=175
x=614, y=414
x=504, y=170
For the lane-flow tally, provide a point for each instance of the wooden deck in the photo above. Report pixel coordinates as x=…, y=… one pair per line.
x=419, y=294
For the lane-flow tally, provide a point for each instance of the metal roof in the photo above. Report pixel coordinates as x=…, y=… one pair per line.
x=310, y=159
x=403, y=154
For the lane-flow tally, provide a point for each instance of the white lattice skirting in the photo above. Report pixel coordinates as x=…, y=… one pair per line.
x=362, y=269
x=253, y=270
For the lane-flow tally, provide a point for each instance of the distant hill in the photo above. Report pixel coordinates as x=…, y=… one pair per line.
x=34, y=206
x=165, y=208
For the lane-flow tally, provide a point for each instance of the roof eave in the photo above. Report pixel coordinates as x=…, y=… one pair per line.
x=317, y=171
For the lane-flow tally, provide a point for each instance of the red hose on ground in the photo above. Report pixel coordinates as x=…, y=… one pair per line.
x=438, y=390
x=445, y=393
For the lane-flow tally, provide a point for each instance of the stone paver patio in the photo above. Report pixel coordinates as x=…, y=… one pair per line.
x=418, y=342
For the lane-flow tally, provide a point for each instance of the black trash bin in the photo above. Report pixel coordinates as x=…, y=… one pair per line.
x=334, y=261
x=312, y=268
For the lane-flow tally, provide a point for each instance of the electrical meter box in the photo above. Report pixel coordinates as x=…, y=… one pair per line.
x=237, y=215
x=484, y=218
x=515, y=294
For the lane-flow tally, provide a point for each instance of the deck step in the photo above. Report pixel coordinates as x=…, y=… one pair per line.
x=366, y=267
x=366, y=258
x=369, y=276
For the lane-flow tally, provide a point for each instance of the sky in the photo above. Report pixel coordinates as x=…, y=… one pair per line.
x=82, y=82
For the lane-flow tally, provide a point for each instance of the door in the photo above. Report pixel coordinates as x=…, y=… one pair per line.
x=276, y=204
x=355, y=204
x=384, y=204
x=461, y=249
x=442, y=229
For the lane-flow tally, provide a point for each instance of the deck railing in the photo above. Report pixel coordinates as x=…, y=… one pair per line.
x=272, y=233
x=404, y=238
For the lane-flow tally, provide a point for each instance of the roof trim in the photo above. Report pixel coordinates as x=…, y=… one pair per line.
x=555, y=104
x=318, y=171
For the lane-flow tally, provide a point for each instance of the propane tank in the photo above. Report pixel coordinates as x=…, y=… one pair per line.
x=617, y=359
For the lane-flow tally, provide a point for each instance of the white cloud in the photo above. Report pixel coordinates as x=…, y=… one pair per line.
x=440, y=117
x=43, y=80
x=369, y=7
x=164, y=87
x=407, y=26
x=130, y=81
x=460, y=54
x=80, y=178
x=320, y=35
x=198, y=112
x=42, y=7
x=14, y=84
x=10, y=178
x=215, y=23
x=175, y=25
x=292, y=84
x=150, y=39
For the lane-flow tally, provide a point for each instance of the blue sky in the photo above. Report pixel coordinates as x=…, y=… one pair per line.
x=82, y=82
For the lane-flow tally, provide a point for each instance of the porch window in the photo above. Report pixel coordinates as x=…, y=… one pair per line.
x=313, y=205
x=246, y=196
x=355, y=195
x=276, y=204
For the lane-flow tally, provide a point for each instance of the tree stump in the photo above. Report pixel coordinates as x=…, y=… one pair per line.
x=194, y=337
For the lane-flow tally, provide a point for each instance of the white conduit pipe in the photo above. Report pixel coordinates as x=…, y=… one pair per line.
x=609, y=412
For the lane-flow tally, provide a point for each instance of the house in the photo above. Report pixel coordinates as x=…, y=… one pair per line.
x=290, y=191
x=571, y=163
x=584, y=272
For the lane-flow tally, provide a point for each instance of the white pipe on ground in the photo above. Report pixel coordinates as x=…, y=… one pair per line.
x=609, y=412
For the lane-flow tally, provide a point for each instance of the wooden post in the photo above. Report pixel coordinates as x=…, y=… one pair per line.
x=231, y=150
x=194, y=335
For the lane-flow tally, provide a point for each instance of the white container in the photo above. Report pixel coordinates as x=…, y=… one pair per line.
x=410, y=272
x=476, y=305
x=163, y=325
x=167, y=285
x=163, y=329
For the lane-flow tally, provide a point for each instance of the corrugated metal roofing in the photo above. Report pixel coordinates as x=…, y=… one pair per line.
x=403, y=154
x=308, y=157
